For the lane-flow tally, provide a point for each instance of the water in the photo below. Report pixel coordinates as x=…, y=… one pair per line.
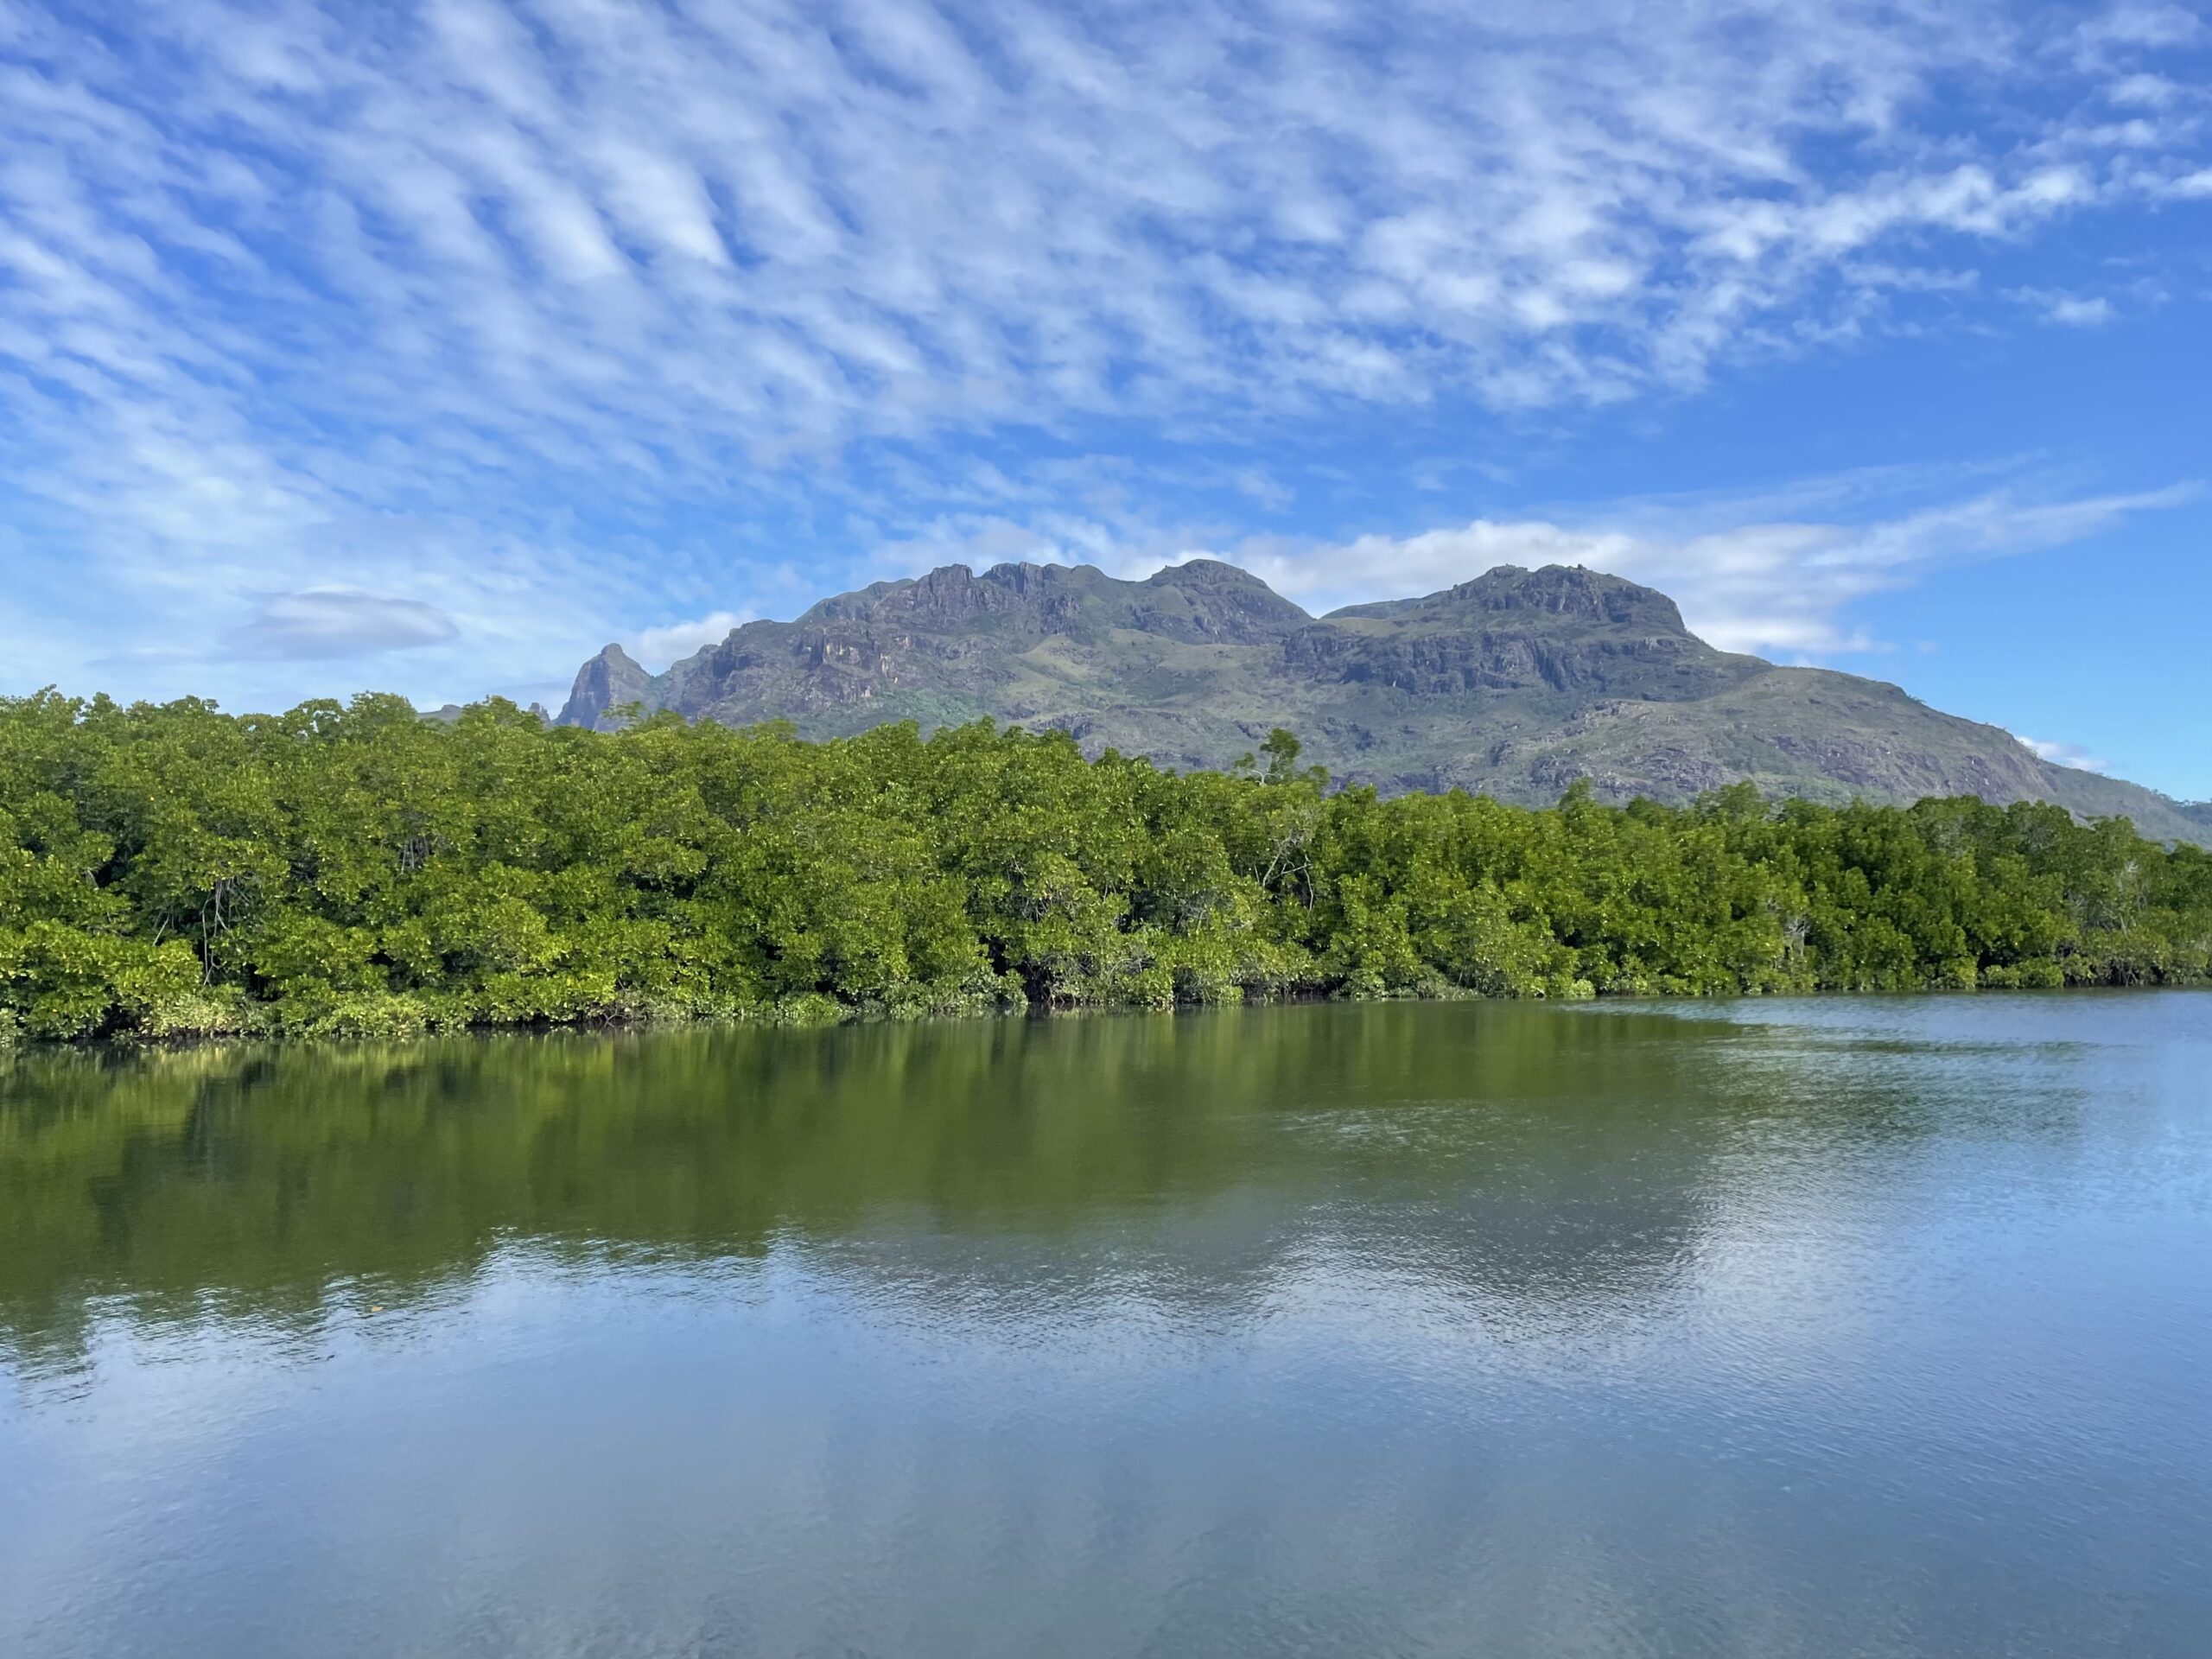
x=1858, y=1327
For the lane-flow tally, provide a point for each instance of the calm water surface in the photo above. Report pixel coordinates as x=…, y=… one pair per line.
x=1857, y=1326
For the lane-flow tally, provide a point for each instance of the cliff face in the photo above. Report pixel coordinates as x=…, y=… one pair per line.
x=1570, y=632
x=1202, y=603
x=1567, y=594
x=607, y=681
x=1518, y=683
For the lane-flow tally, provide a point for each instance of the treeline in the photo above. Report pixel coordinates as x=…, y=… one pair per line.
x=357, y=870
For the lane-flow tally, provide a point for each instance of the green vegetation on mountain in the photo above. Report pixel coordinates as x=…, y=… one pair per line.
x=1516, y=684
x=172, y=870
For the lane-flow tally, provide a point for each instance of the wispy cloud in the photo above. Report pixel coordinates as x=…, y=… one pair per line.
x=658, y=647
x=327, y=623
x=2066, y=755
x=452, y=300
x=638, y=234
x=2067, y=310
x=1777, y=571
x=1744, y=581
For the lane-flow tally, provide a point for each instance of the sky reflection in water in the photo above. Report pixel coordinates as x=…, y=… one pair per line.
x=1872, y=1325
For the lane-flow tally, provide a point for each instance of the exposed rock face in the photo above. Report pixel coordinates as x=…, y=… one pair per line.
x=1568, y=592
x=1557, y=629
x=607, y=681
x=1519, y=682
x=1435, y=662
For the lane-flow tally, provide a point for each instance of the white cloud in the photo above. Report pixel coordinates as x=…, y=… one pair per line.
x=2065, y=754
x=656, y=648
x=2143, y=25
x=1744, y=581
x=2150, y=91
x=596, y=229
x=2077, y=312
x=1775, y=572
x=327, y=623
x=2067, y=310
x=296, y=297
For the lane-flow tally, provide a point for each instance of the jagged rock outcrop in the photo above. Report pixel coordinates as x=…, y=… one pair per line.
x=607, y=681
x=1519, y=682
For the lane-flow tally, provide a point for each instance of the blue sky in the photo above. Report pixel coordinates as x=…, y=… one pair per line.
x=428, y=346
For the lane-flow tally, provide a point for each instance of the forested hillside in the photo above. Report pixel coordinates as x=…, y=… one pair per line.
x=351, y=870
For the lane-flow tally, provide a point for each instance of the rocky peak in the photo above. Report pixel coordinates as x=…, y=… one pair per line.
x=1203, y=602
x=1207, y=601
x=1510, y=597
x=1021, y=576
x=1571, y=591
x=947, y=596
x=607, y=680
x=1205, y=573
x=1517, y=682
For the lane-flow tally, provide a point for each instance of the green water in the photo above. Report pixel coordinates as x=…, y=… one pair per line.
x=1856, y=1326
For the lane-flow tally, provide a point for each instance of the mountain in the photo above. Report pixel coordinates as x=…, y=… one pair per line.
x=1517, y=683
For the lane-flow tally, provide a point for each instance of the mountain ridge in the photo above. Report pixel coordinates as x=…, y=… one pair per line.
x=1517, y=682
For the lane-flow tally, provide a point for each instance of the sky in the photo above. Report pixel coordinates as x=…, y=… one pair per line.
x=428, y=346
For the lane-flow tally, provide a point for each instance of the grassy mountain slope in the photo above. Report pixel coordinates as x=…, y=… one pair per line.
x=1517, y=684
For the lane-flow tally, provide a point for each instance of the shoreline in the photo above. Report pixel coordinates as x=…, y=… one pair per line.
x=274, y=1034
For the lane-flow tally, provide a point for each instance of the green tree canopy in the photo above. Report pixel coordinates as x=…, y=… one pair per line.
x=171, y=870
